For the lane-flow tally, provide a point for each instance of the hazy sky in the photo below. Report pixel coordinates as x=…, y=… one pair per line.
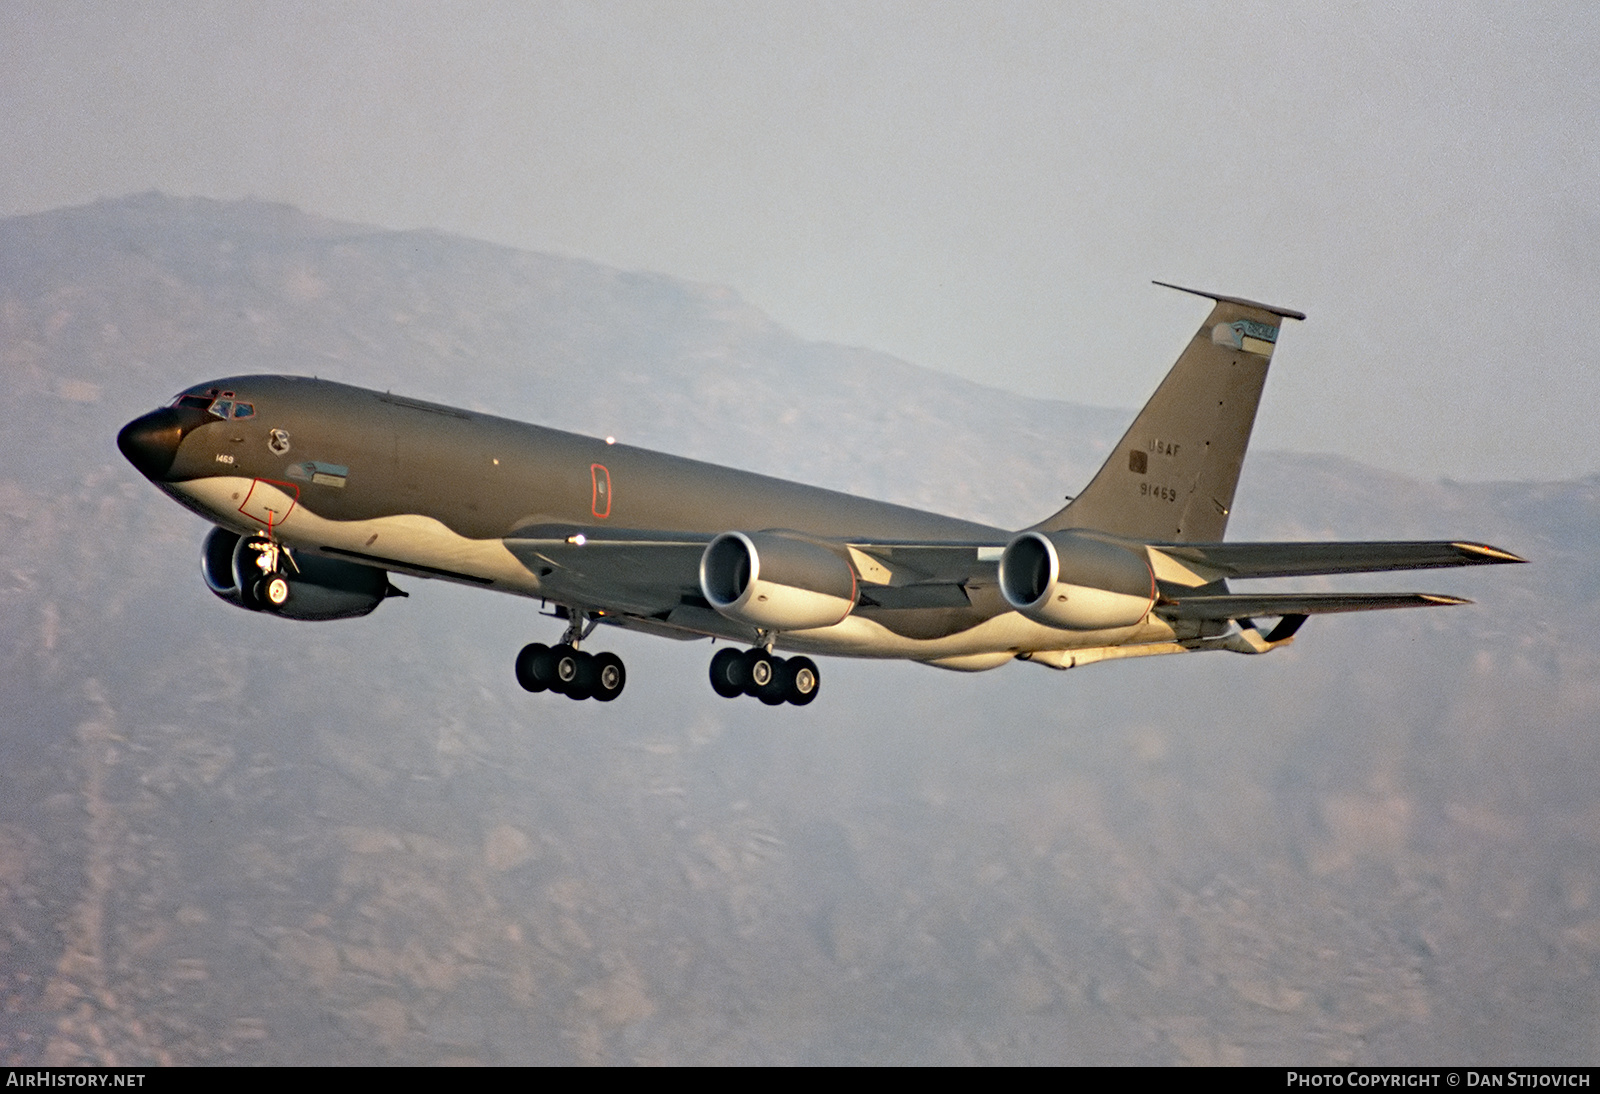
x=985, y=190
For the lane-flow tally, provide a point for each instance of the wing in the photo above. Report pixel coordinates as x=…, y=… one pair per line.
x=1246, y=605
x=649, y=573
x=627, y=570
x=1212, y=561
x=654, y=575
x=900, y=574
x=1203, y=568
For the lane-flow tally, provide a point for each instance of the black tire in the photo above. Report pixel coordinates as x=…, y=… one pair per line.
x=250, y=595
x=804, y=680
x=728, y=675
x=576, y=672
x=527, y=672
x=610, y=677
x=544, y=668
x=769, y=677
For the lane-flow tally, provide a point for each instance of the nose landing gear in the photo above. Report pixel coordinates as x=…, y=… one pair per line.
x=263, y=586
x=773, y=680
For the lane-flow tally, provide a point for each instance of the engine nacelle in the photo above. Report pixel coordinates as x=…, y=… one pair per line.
x=319, y=588
x=1070, y=581
x=777, y=583
x=216, y=563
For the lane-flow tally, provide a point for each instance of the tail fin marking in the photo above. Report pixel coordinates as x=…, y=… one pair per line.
x=1172, y=476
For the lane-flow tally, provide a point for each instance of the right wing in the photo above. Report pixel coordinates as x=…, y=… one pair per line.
x=636, y=571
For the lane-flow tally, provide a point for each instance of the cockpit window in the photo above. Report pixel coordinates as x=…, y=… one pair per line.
x=223, y=407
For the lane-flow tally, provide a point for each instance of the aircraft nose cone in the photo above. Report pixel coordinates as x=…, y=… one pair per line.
x=151, y=442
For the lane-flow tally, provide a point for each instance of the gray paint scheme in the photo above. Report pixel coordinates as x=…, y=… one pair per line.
x=619, y=531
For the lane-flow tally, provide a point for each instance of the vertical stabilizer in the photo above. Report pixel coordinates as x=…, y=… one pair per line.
x=1172, y=476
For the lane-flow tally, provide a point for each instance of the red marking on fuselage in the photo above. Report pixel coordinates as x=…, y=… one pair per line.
x=273, y=517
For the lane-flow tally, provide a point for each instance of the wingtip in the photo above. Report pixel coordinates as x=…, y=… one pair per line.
x=1485, y=553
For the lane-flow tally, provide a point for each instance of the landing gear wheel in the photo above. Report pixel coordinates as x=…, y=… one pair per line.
x=728, y=675
x=535, y=667
x=560, y=657
x=804, y=679
x=575, y=673
x=274, y=592
x=268, y=593
x=610, y=677
x=769, y=678
x=757, y=670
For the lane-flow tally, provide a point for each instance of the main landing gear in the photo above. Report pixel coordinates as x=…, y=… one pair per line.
x=567, y=670
x=772, y=679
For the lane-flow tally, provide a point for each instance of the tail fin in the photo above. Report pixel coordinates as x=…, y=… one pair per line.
x=1171, y=478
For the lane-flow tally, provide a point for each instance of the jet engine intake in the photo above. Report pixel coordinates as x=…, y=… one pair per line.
x=319, y=588
x=776, y=582
x=1071, y=581
x=216, y=563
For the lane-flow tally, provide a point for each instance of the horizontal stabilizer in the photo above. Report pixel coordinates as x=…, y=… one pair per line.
x=1287, y=313
x=1249, y=605
x=1219, y=560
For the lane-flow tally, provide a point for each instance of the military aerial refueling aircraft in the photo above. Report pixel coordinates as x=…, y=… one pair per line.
x=319, y=491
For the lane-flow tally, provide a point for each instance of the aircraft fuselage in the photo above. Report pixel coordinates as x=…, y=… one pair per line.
x=435, y=491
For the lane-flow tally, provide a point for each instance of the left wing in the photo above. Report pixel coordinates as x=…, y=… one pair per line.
x=1193, y=576
x=1220, y=560
x=645, y=572
x=1246, y=605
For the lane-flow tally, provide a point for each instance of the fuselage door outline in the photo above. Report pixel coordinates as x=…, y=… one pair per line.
x=261, y=510
x=600, y=506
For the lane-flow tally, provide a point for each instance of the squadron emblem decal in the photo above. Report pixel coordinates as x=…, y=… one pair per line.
x=278, y=441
